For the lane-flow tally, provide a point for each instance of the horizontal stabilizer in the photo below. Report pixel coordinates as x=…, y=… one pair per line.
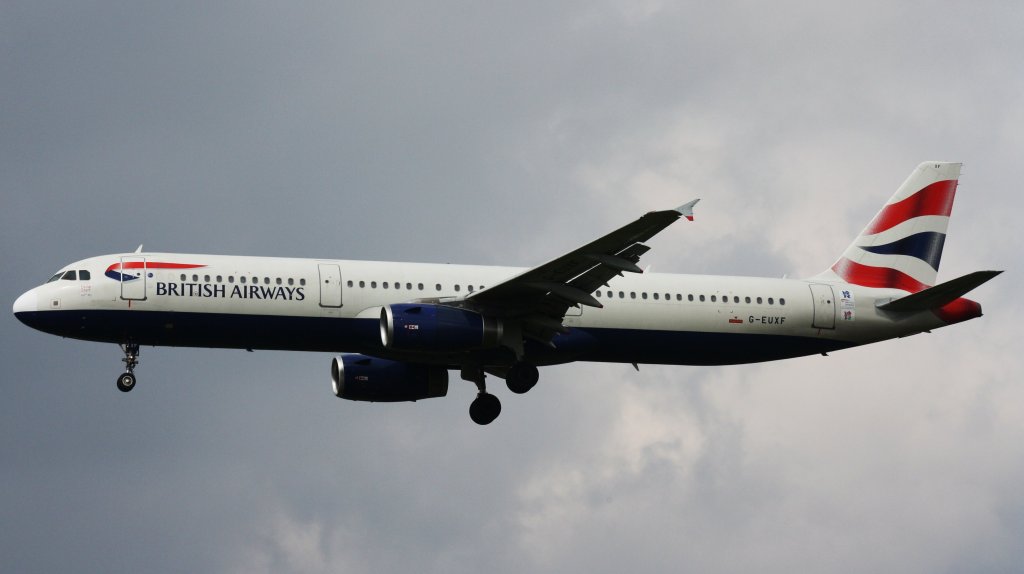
x=939, y=295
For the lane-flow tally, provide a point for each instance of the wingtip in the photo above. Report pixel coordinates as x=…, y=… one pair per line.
x=686, y=209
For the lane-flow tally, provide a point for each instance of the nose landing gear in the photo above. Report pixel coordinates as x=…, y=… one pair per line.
x=126, y=381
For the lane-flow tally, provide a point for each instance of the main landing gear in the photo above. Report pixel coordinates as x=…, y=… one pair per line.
x=126, y=381
x=485, y=407
x=520, y=378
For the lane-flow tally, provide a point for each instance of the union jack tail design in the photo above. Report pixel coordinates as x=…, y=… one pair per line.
x=902, y=246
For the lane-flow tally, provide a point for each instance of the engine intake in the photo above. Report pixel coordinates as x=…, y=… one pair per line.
x=362, y=378
x=424, y=327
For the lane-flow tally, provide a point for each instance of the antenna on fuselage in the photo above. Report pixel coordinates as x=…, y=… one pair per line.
x=139, y=249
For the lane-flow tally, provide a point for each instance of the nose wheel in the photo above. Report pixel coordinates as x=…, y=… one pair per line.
x=126, y=381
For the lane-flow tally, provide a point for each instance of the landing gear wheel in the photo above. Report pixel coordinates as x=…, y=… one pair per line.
x=126, y=382
x=521, y=377
x=484, y=409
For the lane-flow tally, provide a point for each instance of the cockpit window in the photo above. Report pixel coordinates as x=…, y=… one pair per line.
x=55, y=277
x=83, y=275
x=70, y=276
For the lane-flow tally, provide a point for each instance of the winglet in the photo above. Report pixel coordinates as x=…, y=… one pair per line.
x=686, y=209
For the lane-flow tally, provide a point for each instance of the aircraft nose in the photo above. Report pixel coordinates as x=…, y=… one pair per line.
x=27, y=303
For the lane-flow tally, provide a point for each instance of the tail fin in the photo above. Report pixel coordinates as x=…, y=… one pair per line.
x=902, y=245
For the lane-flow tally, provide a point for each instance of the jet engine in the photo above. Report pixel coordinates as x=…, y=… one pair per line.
x=362, y=378
x=424, y=327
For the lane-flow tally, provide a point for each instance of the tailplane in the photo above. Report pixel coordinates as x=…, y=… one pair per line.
x=902, y=246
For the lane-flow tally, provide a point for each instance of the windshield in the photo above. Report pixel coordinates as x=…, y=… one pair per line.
x=55, y=277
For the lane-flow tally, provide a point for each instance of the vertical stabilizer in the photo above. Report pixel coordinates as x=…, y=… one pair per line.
x=902, y=246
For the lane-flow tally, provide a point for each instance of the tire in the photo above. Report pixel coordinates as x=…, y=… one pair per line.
x=126, y=382
x=521, y=378
x=484, y=409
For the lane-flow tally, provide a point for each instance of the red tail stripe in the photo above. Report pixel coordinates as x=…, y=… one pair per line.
x=867, y=276
x=959, y=310
x=935, y=199
x=151, y=265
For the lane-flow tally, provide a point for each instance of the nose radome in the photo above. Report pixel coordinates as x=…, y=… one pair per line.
x=28, y=302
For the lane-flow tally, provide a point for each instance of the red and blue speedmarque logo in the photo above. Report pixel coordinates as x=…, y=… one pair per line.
x=114, y=271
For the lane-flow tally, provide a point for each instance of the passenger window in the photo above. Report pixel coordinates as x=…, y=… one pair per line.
x=350, y=284
x=373, y=284
x=384, y=285
x=622, y=295
x=771, y=301
x=278, y=280
x=438, y=286
x=713, y=299
x=679, y=297
x=182, y=276
x=242, y=279
x=231, y=278
x=419, y=286
x=302, y=281
x=632, y=294
x=70, y=276
x=469, y=288
x=689, y=297
x=747, y=299
x=643, y=295
x=266, y=280
x=195, y=278
x=701, y=298
x=782, y=301
x=656, y=296
x=362, y=284
x=220, y=279
x=206, y=278
x=292, y=282
x=457, y=288
x=83, y=275
x=408, y=286
x=758, y=300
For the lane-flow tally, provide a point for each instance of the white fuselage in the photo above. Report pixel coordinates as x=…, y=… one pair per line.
x=335, y=305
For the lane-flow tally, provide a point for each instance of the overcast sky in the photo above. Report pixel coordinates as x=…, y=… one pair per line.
x=468, y=133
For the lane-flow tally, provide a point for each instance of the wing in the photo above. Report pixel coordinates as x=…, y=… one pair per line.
x=538, y=299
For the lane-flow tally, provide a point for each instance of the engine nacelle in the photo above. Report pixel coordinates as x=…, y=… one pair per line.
x=423, y=327
x=362, y=378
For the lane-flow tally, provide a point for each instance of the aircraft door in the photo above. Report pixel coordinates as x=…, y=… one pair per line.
x=133, y=278
x=330, y=285
x=824, y=306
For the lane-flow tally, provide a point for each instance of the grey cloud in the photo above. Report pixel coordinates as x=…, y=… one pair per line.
x=468, y=133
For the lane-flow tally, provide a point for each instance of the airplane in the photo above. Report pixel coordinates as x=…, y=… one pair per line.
x=399, y=328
